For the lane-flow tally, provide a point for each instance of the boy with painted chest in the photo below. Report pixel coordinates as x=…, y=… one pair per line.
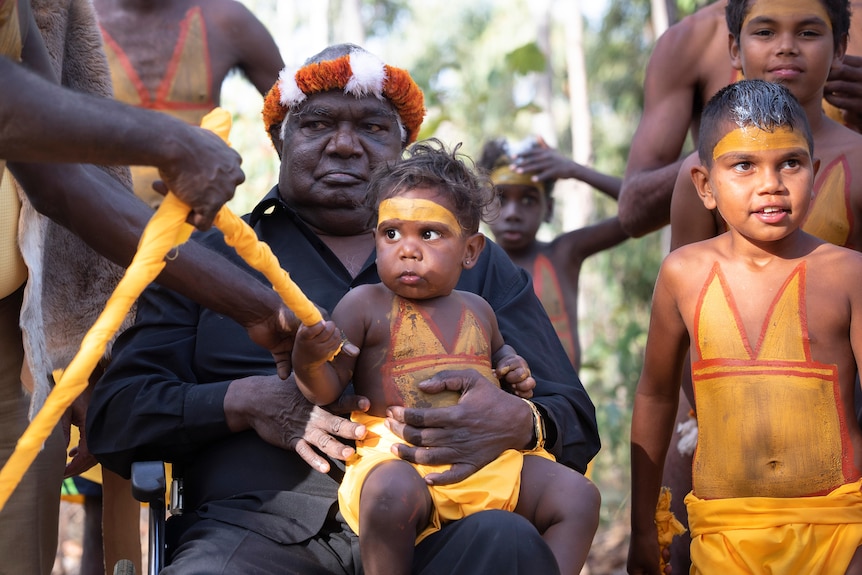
x=769, y=315
x=409, y=327
x=795, y=43
x=524, y=180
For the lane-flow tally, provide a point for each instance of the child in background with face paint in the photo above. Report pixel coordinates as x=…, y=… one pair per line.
x=412, y=325
x=770, y=317
x=524, y=180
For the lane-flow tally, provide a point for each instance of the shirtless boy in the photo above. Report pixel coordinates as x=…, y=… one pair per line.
x=524, y=181
x=767, y=313
x=798, y=44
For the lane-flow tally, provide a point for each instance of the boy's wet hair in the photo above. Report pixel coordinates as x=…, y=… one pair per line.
x=496, y=153
x=757, y=103
x=838, y=11
x=428, y=164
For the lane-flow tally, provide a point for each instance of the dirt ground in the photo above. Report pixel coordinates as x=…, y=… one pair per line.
x=70, y=548
x=608, y=555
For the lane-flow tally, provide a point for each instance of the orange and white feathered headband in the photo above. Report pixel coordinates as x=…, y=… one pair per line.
x=359, y=73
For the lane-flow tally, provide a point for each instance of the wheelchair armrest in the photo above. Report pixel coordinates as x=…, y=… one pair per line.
x=148, y=486
x=148, y=481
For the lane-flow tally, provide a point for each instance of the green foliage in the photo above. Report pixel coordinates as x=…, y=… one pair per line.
x=686, y=7
x=617, y=54
x=525, y=59
x=380, y=16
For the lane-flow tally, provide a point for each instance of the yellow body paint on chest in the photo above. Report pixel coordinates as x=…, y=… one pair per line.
x=418, y=350
x=830, y=215
x=751, y=139
x=417, y=210
x=769, y=415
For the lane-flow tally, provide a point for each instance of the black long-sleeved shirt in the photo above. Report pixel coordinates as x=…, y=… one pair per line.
x=162, y=395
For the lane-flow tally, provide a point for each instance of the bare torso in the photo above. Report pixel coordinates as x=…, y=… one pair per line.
x=404, y=342
x=772, y=361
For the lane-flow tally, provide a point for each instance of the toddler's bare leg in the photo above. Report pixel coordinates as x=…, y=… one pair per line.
x=564, y=507
x=394, y=506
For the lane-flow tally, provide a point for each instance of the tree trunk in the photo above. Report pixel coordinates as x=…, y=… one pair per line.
x=576, y=198
x=350, y=28
x=660, y=15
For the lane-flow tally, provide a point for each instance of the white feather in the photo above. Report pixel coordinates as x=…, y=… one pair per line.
x=291, y=95
x=368, y=75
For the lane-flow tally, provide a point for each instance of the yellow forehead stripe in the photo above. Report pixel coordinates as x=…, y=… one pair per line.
x=417, y=210
x=751, y=139
x=772, y=9
x=506, y=176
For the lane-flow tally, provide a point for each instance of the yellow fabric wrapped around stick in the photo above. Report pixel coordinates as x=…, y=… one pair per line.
x=166, y=230
x=667, y=525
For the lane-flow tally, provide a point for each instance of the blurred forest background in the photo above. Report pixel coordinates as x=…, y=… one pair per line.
x=570, y=71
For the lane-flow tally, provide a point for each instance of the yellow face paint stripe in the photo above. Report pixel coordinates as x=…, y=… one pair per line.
x=417, y=210
x=750, y=139
x=504, y=175
x=773, y=10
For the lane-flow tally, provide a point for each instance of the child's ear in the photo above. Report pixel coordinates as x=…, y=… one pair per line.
x=474, y=246
x=700, y=177
x=735, y=52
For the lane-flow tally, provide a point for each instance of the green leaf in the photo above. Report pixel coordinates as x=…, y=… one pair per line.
x=525, y=59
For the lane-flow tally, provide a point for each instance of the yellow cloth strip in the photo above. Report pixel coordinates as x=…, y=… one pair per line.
x=241, y=237
x=667, y=525
x=166, y=230
x=768, y=535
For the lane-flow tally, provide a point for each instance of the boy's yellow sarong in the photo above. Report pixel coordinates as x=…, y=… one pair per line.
x=767, y=535
x=495, y=486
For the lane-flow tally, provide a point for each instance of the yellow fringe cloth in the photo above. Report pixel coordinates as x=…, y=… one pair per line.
x=667, y=525
x=166, y=230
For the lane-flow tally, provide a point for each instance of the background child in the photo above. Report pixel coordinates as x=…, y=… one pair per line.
x=408, y=328
x=524, y=180
x=766, y=312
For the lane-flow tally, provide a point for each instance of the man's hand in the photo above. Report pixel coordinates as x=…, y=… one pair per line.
x=81, y=458
x=277, y=333
x=281, y=416
x=204, y=174
x=843, y=89
x=485, y=422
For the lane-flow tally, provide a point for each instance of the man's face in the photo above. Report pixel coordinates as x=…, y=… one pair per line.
x=332, y=143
